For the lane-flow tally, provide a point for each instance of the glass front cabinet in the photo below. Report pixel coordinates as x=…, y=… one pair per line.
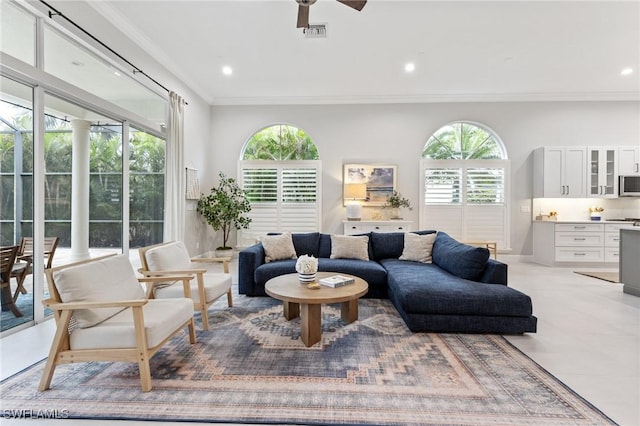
x=603, y=174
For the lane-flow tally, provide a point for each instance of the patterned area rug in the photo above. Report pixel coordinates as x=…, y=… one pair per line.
x=252, y=367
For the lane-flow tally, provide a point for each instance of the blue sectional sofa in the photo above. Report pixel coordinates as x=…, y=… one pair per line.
x=461, y=291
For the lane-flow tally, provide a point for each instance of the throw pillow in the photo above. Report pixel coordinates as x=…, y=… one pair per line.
x=460, y=259
x=418, y=248
x=349, y=247
x=278, y=247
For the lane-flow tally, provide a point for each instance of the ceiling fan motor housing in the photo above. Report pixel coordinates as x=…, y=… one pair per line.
x=305, y=2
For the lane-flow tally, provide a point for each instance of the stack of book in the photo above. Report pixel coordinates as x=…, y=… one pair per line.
x=336, y=281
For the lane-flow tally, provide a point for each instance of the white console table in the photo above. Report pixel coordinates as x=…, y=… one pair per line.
x=352, y=227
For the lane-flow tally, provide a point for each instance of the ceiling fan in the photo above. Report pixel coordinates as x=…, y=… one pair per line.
x=303, y=9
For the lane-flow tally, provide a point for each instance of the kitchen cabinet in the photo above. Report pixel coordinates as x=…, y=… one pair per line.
x=352, y=227
x=602, y=172
x=629, y=160
x=560, y=172
x=629, y=267
x=555, y=243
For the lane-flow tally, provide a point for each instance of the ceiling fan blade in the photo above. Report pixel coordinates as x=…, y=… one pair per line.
x=355, y=4
x=303, y=17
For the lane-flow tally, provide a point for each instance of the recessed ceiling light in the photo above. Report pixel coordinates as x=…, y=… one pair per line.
x=410, y=67
x=117, y=74
x=77, y=63
x=626, y=71
x=227, y=70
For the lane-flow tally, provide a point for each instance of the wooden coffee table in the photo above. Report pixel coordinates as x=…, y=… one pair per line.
x=298, y=300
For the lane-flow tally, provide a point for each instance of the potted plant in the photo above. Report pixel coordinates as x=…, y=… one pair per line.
x=395, y=201
x=224, y=209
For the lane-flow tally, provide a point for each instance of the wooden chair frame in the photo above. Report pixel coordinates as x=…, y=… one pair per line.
x=8, y=255
x=25, y=254
x=202, y=304
x=60, y=352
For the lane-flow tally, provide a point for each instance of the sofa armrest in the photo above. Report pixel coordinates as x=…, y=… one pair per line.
x=495, y=273
x=248, y=261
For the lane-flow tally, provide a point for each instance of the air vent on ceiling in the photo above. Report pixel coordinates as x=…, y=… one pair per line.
x=315, y=31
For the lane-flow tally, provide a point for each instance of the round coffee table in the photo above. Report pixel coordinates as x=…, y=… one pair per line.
x=298, y=300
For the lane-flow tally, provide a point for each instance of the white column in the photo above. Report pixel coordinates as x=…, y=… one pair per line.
x=80, y=191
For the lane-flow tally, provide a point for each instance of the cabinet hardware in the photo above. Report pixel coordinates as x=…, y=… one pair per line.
x=579, y=227
x=579, y=254
x=579, y=239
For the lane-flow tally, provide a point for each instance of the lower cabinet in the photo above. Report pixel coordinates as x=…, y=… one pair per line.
x=576, y=242
x=352, y=227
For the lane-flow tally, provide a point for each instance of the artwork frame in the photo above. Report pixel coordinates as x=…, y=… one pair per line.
x=192, y=184
x=380, y=181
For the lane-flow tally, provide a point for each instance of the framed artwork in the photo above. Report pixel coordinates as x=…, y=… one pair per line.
x=193, y=185
x=377, y=182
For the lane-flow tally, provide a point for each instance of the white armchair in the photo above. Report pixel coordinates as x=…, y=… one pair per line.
x=173, y=258
x=113, y=320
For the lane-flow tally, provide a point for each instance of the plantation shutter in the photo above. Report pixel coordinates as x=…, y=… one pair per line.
x=284, y=196
x=466, y=199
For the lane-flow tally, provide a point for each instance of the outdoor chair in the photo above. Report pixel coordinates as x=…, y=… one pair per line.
x=24, y=264
x=7, y=259
x=173, y=258
x=112, y=318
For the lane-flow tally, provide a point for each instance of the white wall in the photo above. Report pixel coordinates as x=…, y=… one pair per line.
x=396, y=134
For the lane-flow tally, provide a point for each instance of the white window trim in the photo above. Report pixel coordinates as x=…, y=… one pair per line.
x=464, y=164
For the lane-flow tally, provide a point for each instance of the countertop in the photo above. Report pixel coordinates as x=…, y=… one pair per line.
x=618, y=222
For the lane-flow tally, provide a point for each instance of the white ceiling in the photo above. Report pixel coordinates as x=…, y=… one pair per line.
x=463, y=51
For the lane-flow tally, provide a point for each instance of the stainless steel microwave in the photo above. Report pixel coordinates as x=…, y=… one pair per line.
x=629, y=186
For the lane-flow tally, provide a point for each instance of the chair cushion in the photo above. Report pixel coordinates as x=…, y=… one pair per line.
x=278, y=247
x=349, y=247
x=215, y=285
x=168, y=257
x=418, y=248
x=104, y=280
x=161, y=320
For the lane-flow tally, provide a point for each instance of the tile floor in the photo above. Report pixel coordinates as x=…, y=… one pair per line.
x=588, y=337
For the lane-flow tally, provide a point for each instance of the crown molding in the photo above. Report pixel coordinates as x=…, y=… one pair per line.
x=431, y=98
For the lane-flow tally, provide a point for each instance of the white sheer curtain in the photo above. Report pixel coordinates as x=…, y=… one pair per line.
x=174, y=203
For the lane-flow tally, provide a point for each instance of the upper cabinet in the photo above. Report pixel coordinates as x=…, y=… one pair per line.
x=602, y=172
x=560, y=172
x=629, y=160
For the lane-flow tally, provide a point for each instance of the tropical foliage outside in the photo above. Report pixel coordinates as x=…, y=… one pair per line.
x=146, y=165
x=280, y=142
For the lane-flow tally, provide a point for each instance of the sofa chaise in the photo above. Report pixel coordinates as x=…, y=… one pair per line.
x=461, y=290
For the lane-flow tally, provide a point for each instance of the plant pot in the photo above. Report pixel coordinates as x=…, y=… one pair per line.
x=394, y=213
x=224, y=252
x=307, y=278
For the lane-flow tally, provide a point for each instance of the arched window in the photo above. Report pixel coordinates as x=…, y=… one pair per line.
x=280, y=142
x=280, y=170
x=464, y=186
